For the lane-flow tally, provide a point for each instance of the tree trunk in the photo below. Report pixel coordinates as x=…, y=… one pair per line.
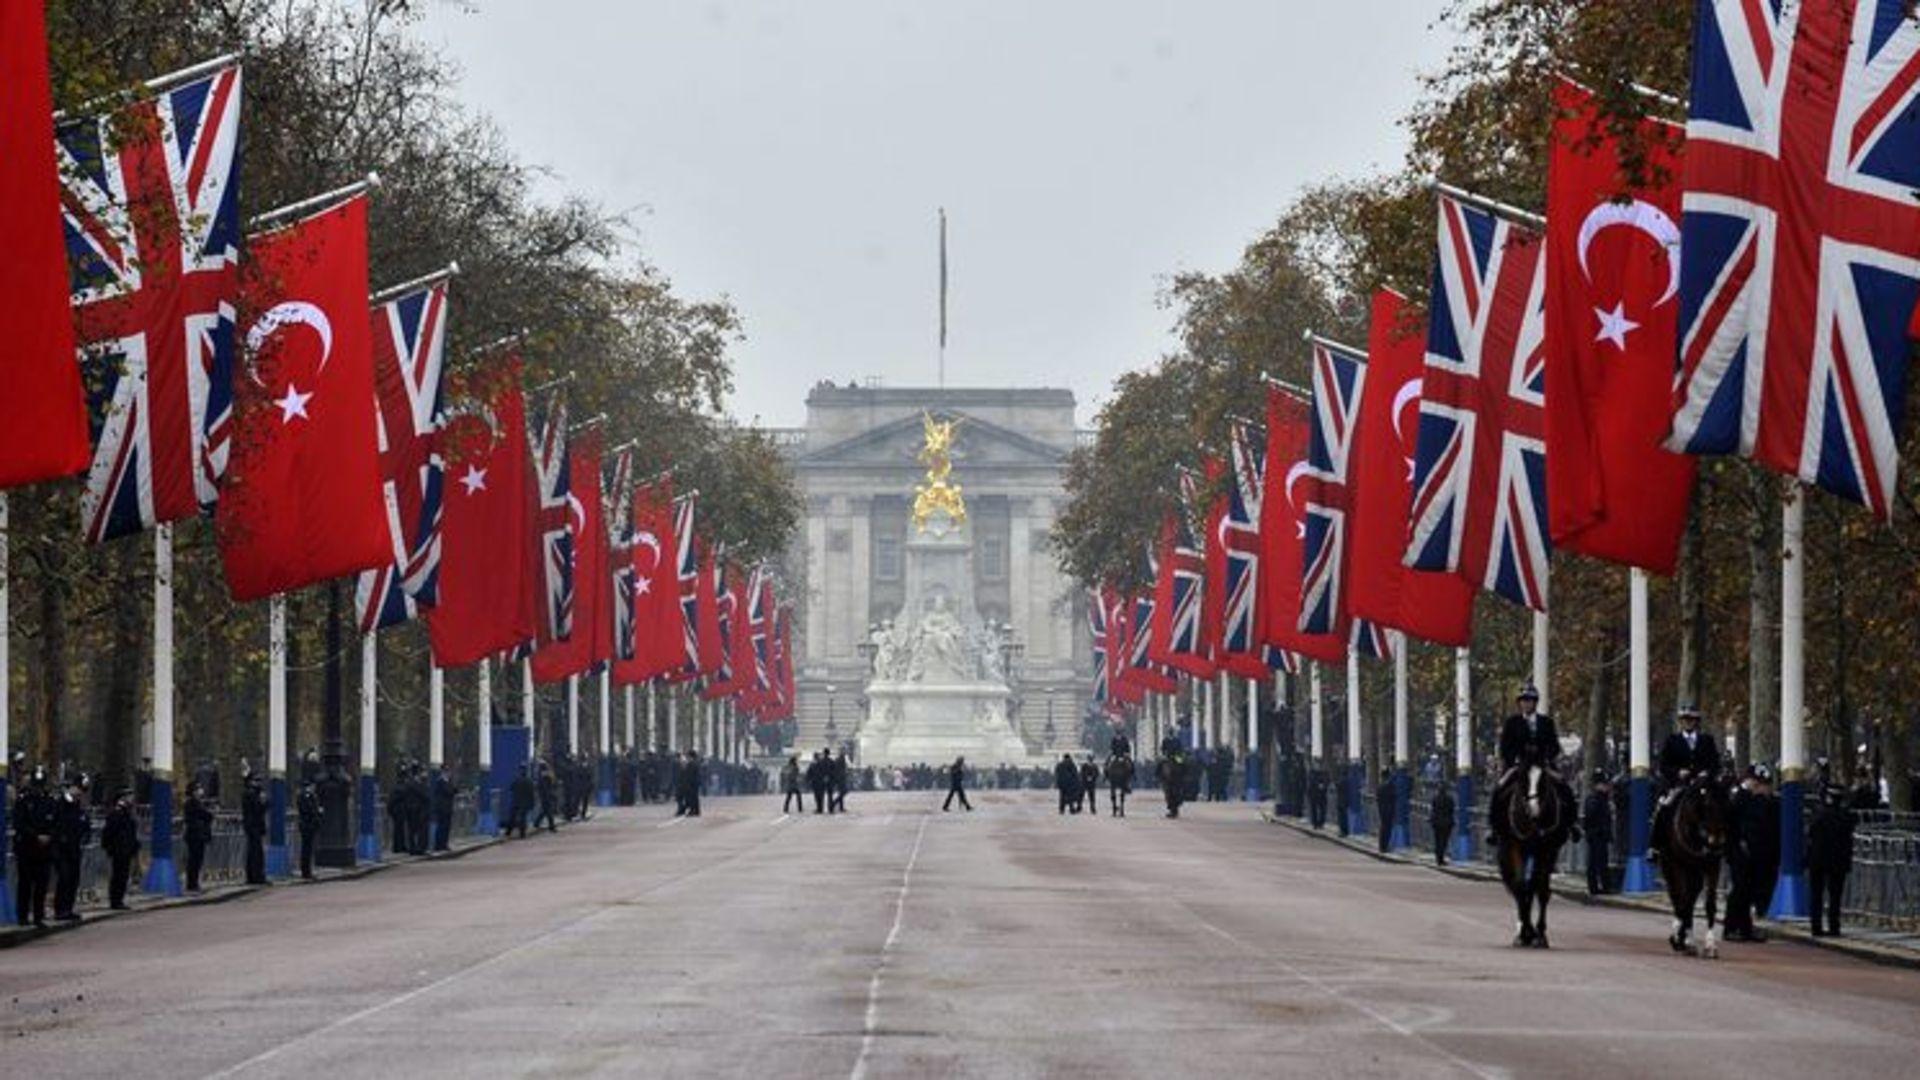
x=120, y=711
x=1690, y=685
x=1763, y=618
x=47, y=736
x=1600, y=701
x=1896, y=765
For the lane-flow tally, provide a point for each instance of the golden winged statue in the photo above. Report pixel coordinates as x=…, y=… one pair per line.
x=938, y=494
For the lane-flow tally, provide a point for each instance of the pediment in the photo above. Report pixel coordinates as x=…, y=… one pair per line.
x=977, y=442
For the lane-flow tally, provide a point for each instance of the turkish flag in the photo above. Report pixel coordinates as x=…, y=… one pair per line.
x=489, y=557
x=301, y=501
x=591, y=642
x=43, y=413
x=1612, y=299
x=659, y=632
x=1436, y=607
x=1283, y=535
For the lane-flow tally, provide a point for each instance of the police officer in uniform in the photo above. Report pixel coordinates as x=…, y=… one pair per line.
x=34, y=818
x=1527, y=738
x=1829, y=860
x=120, y=839
x=545, y=793
x=442, y=795
x=1440, y=813
x=72, y=825
x=1596, y=819
x=1317, y=796
x=1688, y=753
x=253, y=818
x=519, y=802
x=957, y=786
x=308, y=812
x=1753, y=853
x=1385, y=799
x=198, y=832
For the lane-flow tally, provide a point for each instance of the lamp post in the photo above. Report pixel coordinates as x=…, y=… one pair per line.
x=1049, y=729
x=833, y=725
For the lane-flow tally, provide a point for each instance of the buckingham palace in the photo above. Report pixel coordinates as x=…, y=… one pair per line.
x=857, y=465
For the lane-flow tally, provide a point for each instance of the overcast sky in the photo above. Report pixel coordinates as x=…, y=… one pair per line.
x=793, y=156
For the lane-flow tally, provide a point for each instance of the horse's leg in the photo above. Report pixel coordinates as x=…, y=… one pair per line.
x=1543, y=886
x=1710, y=946
x=1513, y=870
x=1682, y=907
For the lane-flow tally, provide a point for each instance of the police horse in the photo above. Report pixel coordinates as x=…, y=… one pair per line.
x=1119, y=783
x=1692, y=842
x=1533, y=815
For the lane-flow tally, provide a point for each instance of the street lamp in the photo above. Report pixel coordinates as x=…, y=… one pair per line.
x=833, y=726
x=1049, y=729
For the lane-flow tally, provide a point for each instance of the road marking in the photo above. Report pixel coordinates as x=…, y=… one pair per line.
x=886, y=951
x=482, y=964
x=1356, y=1004
x=781, y=818
x=670, y=821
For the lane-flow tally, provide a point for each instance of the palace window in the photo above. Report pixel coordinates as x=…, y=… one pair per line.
x=886, y=557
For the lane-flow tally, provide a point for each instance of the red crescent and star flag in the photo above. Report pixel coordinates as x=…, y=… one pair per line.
x=300, y=502
x=1613, y=305
x=43, y=413
x=1436, y=607
x=659, y=645
x=490, y=576
x=1283, y=534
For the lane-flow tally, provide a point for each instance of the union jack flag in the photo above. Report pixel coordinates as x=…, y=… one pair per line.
x=558, y=518
x=149, y=203
x=1097, y=630
x=1801, y=238
x=722, y=682
x=1369, y=641
x=688, y=572
x=761, y=610
x=1142, y=670
x=409, y=351
x=1179, y=631
x=1479, y=483
x=1339, y=376
x=620, y=548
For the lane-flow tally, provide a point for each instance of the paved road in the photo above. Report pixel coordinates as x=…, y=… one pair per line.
x=902, y=942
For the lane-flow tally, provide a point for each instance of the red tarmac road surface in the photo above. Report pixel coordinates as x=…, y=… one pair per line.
x=898, y=941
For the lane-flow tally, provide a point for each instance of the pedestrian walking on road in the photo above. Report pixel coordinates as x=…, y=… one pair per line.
x=690, y=780
x=545, y=793
x=1440, y=817
x=120, y=839
x=519, y=802
x=1066, y=778
x=837, y=782
x=1090, y=786
x=199, y=833
x=1173, y=781
x=957, y=786
x=441, y=794
x=790, y=797
x=253, y=819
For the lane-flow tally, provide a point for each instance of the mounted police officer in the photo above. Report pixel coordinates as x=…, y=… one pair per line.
x=1528, y=740
x=1688, y=753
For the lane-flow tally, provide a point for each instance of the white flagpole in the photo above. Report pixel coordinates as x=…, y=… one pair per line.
x=1402, y=780
x=1639, y=873
x=1356, y=769
x=489, y=819
x=277, y=863
x=653, y=738
x=436, y=714
x=368, y=839
x=6, y=715
x=1223, y=723
x=162, y=878
x=526, y=708
x=573, y=714
x=627, y=695
x=1790, y=894
x=673, y=722
x=604, y=770
x=1462, y=754
x=1316, y=709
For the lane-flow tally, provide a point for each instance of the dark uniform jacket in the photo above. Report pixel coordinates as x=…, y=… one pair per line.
x=1702, y=758
x=308, y=808
x=1440, y=810
x=1089, y=776
x=1756, y=829
x=1524, y=743
x=71, y=826
x=1120, y=746
x=33, y=824
x=199, y=821
x=120, y=835
x=1830, y=840
x=1596, y=817
x=1066, y=777
x=253, y=811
